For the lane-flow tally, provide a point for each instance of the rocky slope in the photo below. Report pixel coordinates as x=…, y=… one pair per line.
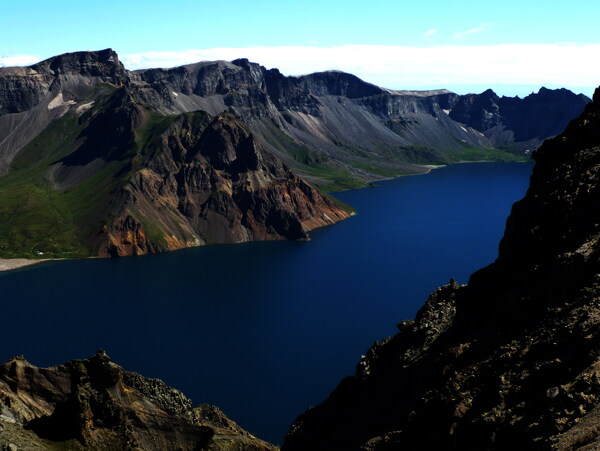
x=211, y=181
x=105, y=174
x=98, y=160
x=511, y=360
x=343, y=122
x=96, y=404
x=518, y=123
x=330, y=126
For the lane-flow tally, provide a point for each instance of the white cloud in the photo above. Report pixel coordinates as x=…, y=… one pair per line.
x=429, y=33
x=401, y=67
x=17, y=60
x=398, y=67
x=480, y=29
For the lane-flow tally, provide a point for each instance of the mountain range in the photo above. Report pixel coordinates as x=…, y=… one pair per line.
x=99, y=160
x=509, y=360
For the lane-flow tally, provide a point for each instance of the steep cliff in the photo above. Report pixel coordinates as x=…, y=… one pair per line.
x=518, y=123
x=331, y=127
x=349, y=125
x=96, y=404
x=98, y=160
x=209, y=180
x=512, y=359
x=108, y=175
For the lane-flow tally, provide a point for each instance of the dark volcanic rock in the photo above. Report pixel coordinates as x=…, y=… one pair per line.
x=22, y=88
x=95, y=404
x=211, y=181
x=139, y=181
x=331, y=112
x=136, y=162
x=509, y=361
x=103, y=64
x=511, y=120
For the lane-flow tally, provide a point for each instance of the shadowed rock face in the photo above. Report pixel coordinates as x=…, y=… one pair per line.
x=115, y=162
x=328, y=109
x=349, y=123
x=131, y=180
x=211, y=181
x=529, y=121
x=511, y=360
x=95, y=404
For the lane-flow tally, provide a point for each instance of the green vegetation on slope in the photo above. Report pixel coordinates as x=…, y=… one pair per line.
x=39, y=220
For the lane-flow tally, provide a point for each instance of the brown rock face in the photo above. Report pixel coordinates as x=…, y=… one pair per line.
x=211, y=181
x=96, y=404
x=509, y=361
x=126, y=236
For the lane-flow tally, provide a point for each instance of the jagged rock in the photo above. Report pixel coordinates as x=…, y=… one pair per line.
x=137, y=181
x=212, y=181
x=339, y=117
x=95, y=404
x=509, y=361
x=112, y=162
x=529, y=121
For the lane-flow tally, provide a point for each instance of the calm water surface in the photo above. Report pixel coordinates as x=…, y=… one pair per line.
x=264, y=330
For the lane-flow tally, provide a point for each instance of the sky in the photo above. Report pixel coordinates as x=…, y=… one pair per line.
x=511, y=46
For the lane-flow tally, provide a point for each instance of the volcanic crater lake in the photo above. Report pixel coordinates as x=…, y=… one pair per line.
x=265, y=330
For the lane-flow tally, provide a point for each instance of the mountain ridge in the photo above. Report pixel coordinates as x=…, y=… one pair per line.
x=389, y=124
x=84, y=141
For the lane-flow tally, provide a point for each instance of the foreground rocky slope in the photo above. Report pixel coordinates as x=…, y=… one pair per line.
x=511, y=360
x=95, y=404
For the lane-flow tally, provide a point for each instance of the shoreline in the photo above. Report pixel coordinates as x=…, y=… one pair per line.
x=9, y=264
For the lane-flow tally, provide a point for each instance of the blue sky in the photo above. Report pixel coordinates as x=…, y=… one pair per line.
x=378, y=40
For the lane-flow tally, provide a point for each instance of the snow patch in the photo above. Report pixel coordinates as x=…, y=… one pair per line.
x=58, y=101
x=464, y=129
x=83, y=108
x=446, y=111
x=175, y=94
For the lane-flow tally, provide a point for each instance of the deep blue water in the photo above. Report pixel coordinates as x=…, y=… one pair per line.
x=265, y=330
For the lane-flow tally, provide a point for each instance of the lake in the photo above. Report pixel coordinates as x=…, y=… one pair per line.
x=264, y=330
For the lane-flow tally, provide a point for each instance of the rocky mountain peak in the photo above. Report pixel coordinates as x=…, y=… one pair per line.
x=104, y=64
x=82, y=113
x=337, y=83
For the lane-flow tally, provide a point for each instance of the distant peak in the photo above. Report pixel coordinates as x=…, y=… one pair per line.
x=106, y=55
x=100, y=63
x=241, y=62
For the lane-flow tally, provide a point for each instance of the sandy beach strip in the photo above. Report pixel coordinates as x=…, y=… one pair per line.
x=6, y=264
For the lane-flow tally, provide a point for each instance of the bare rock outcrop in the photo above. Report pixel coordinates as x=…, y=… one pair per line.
x=96, y=404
